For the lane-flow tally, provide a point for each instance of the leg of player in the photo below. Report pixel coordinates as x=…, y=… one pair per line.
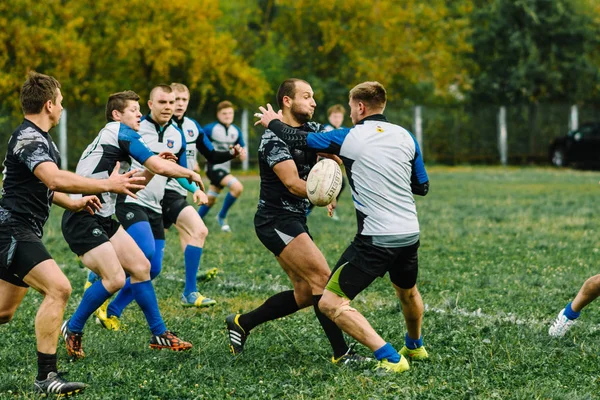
x=567, y=316
x=103, y=261
x=11, y=297
x=412, y=308
x=144, y=294
x=48, y=279
x=212, y=194
x=235, y=191
x=192, y=233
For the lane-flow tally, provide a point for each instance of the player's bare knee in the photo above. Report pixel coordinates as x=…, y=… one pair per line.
x=6, y=316
x=114, y=283
x=60, y=291
x=407, y=296
x=337, y=309
x=303, y=297
x=201, y=232
x=141, y=270
x=236, y=189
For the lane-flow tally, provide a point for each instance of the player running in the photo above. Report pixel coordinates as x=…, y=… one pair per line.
x=224, y=135
x=175, y=208
x=385, y=169
x=100, y=241
x=280, y=224
x=32, y=182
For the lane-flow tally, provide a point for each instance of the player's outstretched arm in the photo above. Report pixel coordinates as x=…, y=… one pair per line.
x=160, y=166
x=90, y=204
x=67, y=182
x=287, y=172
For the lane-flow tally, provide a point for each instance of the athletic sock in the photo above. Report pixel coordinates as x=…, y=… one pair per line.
x=411, y=343
x=388, y=352
x=203, y=210
x=569, y=313
x=121, y=300
x=191, y=255
x=46, y=364
x=334, y=334
x=144, y=295
x=227, y=203
x=92, y=298
x=276, y=306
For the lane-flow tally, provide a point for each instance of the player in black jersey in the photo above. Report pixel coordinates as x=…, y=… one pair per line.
x=280, y=224
x=32, y=182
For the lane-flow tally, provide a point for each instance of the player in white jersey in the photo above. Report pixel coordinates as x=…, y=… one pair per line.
x=385, y=169
x=224, y=135
x=175, y=208
x=99, y=240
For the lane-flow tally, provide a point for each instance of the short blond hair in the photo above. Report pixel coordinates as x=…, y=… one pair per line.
x=336, y=108
x=179, y=87
x=371, y=94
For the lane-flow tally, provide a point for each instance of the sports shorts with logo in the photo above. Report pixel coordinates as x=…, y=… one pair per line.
x=20, y=251
x=277, y=231
x=172, y=205
x=363, y=262
x=129, y=214
x=216, y=176
x=84, y=232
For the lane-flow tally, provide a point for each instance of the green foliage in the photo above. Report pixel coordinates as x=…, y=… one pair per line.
x=502, y=251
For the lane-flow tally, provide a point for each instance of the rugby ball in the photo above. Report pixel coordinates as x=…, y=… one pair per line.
x=324, y=182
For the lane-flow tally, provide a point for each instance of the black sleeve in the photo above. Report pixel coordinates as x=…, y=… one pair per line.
x=213, y=156
x=420, y=188
x=293, y=137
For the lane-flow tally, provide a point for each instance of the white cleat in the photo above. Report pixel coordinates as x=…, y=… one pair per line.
x=561, y=325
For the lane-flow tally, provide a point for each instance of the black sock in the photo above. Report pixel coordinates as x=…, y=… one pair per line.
x=276, y=306
x=46, y=364
x=334, y=334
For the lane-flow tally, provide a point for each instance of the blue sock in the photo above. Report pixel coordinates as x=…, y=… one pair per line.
x=569, y=313
x=157, y=259
x=92, y=277
x=227, y=203
x=413, y=343
x=144, y=295
x=192, y=256
x=141, y=232
x=388, y=352
x=121, y=300
x=93, y=298
x=203, y=210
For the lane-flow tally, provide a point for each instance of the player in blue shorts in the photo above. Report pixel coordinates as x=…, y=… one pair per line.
x=224, y=135
x=385, y=169
x=175, y=208
x=100, y=241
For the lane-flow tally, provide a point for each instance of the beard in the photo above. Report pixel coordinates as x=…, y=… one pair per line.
x=301, y=116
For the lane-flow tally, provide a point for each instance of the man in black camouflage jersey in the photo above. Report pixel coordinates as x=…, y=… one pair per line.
x=280, y=224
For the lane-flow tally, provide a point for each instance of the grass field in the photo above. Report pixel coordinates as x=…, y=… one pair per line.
x=502, y=251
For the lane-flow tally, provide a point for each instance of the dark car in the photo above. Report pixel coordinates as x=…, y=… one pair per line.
x=581, y=146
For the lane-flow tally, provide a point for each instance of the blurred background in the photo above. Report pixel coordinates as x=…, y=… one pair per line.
x=479, y=81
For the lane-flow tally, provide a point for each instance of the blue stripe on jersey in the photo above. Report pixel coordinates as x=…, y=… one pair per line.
x=132, y=142
x=209, y=128
x=418, y=165
x=182, y=159
x=330, y=142
x=205, y=140
x=240, y=137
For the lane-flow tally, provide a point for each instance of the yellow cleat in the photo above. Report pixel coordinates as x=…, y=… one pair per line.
x=417, y=354
x=111, y=323
x=398, y=367
x=195, y=299
x=208, y=275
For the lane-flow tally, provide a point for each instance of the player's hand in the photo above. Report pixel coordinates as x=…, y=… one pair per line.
x=166, y=155
x=125, y=183
x=331, y=157
x=331, y=206
x=90, y=204
x=238, y=151
x=200, y=197
x=194, y=177
x=267, y=115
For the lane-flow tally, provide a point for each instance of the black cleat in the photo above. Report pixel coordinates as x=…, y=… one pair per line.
x=351, y=358
x=54, y=384
x=237, y=335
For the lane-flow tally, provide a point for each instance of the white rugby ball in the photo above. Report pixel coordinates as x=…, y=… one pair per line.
x=324, y=182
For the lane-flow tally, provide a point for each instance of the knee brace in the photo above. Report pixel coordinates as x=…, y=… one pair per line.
x=232, y=181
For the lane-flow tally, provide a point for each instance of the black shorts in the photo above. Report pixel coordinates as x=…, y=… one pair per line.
x=128, y=214
x=172, y=205
x=84, y=232
x=363, y=262
x=20, y=251
x=216, y=176
x=276, y=232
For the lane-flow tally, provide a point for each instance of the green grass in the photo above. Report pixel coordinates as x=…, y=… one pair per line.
x=503, y=250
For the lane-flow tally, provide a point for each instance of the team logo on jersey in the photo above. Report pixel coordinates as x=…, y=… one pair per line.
x=190, y=133
x=96, y=232
x=379, y=129
x=170, y=143
x=129, y=215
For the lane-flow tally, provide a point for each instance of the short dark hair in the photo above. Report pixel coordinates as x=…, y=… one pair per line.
x=118, y=101
x=336, y=108
x=224, y=104
x=36, y=91
x=165, y=88
x=371, y=94
x=287, y=88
